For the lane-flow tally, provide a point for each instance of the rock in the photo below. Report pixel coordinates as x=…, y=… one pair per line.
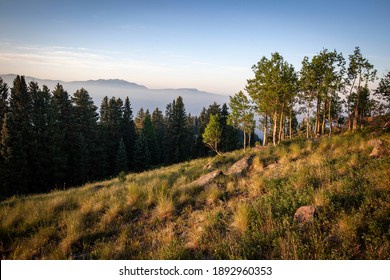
x=241, y=166
x=377, y=152
x=212, y=165
x=272, y=165
x=207, y=178
x=305, y=214
x=378, y=149
x=375, y=142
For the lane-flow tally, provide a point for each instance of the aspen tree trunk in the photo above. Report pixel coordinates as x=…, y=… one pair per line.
x=308, y=121
x=330, y=117
x=356, y=117
x=275, y=127
x=265, y=130
x=244, y=140
x=323, y=119
x=317, y=128
x=349, y=107
x=281, y=126
x=290, y=127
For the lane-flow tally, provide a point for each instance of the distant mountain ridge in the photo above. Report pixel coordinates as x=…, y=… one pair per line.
x=112, y=82
x=139, y=95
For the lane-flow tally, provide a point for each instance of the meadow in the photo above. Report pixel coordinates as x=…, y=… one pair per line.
x=161, y=214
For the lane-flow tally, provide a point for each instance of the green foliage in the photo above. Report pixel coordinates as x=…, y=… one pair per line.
x=141, y=153
x=121, y=158
x=122, y=177
x=178, y=137
x=359, y=70
x=241, y=115
x=273, y=91
x=212, y=133
x=383, y=90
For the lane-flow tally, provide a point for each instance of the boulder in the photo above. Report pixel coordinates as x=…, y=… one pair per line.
x=241, y=166
x=305, y=214
x=375, y=142
x=378, y=149
x=207, y=178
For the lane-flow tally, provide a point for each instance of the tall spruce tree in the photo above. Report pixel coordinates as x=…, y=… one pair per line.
x=86, y=125
x=121, y=158
x=3, y=100
x=141, y=153
x=3, y=111
x=150, y=136
x=229, y=137
x=177, y=137
x=42, y=150
x=129, y=134
x=159, y=128
x=64, y=137
x=15, y=140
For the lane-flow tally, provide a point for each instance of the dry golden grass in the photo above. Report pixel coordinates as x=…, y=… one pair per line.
x=159, y=214
x=321, y=197
x=295, y=151
x=165, y=206
x=214, y=193
x=241, y=218
x=257, y=164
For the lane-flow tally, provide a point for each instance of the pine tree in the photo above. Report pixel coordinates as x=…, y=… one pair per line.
x=3, y=113
x=3, y=100
x=6, y=154
x=139, y=119
x=121, y=158
x=64, y=137
x=159, y=128
x=129, y=134
x=177, y=137
x=150, y=136
x=141, y=153
x=15, y=140
x=229, y=137
x=42, y=150
x=86, y=126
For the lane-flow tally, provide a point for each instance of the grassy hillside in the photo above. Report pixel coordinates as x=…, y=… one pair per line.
x=159, y=214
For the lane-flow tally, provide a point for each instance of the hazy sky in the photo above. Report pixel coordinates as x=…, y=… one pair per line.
x=209, y=45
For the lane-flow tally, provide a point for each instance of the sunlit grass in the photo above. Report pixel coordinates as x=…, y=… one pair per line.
x=159, y=214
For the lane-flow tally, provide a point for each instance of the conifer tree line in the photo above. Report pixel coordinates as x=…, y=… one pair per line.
x=54, y=140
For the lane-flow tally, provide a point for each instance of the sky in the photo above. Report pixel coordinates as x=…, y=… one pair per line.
x=208, y=45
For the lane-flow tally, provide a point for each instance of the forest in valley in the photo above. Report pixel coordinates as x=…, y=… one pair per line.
x=51, y=139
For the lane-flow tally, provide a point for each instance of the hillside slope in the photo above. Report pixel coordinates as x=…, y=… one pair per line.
x=170, y=213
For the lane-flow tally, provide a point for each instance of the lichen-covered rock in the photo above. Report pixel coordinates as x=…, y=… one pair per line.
x=378, y=148
x=305, y=214
x=375, y=142
x=207, y=178
x=241, y=166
